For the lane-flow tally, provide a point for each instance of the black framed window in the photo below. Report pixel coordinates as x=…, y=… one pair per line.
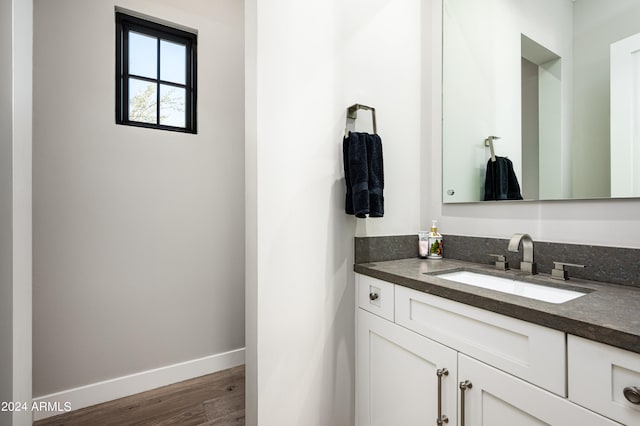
x=155, y=75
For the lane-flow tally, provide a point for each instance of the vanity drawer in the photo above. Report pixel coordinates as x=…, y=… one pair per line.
x=598, y=375
x=375, y=296
x=529, y=351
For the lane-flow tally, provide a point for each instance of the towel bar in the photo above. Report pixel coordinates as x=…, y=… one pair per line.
x=352, y=112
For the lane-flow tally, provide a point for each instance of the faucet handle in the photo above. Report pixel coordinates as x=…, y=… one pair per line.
x=501, y=261
x=560, y=273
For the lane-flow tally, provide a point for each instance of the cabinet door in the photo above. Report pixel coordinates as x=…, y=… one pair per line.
x=396, y=376
x=499, y=399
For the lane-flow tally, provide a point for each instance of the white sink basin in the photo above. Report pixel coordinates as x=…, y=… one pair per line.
x=512, y=286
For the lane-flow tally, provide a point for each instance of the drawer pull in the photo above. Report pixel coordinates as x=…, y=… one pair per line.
x=463, y=387
x=632, y=394
x=441, y=418
x=373, y=296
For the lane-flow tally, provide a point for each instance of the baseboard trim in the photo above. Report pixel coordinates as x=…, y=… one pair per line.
x=108, y=390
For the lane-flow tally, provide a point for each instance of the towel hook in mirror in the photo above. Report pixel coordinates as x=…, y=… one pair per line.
x=489, y=142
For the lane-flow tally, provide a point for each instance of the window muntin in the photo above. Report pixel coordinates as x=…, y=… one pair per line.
x=155, y=75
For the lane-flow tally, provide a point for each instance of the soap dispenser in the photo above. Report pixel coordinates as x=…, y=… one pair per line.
x=435, y=242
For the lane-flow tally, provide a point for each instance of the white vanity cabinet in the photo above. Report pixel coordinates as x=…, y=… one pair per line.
x=402, y=353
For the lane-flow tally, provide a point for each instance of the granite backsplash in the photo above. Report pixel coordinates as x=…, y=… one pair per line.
x=606, y=264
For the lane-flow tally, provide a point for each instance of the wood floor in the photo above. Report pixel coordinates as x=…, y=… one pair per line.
x=213, y=400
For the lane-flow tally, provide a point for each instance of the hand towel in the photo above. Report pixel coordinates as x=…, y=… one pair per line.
x=364, y=174
x=500, y=181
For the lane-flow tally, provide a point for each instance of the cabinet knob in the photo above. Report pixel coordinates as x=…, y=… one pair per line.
x=632, y=393
x=373, y=296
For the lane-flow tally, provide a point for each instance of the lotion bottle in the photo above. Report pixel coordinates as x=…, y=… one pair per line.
x=423, y=244
x=435, y=242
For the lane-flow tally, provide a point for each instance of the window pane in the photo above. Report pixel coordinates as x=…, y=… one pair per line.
x=142, y=101
x=143, y=55
x=172, y=106
x=173, y=62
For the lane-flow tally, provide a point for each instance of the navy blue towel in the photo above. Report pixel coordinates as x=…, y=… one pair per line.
x=364, y=174
x=500, y=181
x=376, y=176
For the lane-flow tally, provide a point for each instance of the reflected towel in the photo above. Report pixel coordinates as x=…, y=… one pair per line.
x=500, y=181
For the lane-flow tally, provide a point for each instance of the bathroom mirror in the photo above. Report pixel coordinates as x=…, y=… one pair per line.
x=557, y=81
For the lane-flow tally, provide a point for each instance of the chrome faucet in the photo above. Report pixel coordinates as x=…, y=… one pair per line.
x=527, y=264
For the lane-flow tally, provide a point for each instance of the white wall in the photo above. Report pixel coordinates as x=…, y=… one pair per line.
x=6, y=207
x=381, y=54
x=603, y=222
x=306, y=63
x=138, y=233
x=251, y=210
x=16, y=21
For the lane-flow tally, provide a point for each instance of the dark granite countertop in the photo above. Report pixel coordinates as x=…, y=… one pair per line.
x=609, y=313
